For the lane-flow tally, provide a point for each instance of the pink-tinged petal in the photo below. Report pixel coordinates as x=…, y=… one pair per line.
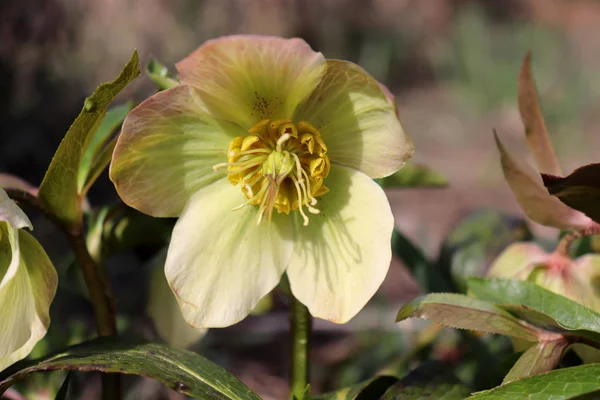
x=518, y=260
x=220, y=263
x=166, y=151
x=341, y=258
x=358, y=121
x=245, y=79
x=533, y=197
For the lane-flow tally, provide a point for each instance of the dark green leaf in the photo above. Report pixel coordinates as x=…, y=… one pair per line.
x=525, y=295
x=476, y=241
x=579, y=190
x=414, y=175
x=539, y=358
x=59, y=189
x=112, y=120
x=371, y=389
x=159, y=74
x=463, y=312
x=431, y=380
x=556, y=385
x=183, y=371
x=64, y=389
x=429, y=277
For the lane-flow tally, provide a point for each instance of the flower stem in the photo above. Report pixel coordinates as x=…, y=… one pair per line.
x=301, y=325
x=104, y=311
x=565, y=242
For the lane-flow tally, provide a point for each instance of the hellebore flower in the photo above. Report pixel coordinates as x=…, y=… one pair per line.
x=266, y=152
x=28, y=283
x=578, y=279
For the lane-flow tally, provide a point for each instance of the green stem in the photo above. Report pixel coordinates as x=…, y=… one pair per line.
x=104, y=311
x=565, y=242
x=301, y=325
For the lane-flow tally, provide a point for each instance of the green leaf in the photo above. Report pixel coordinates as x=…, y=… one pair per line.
x=476, y=241
x=579, y=190
x=463, y=312
x=429, y=277
x=525, y=295
x=64, y=389
x=111, y=121
x=556, y=385
x=181, y=370
x=371, y=389
x=413, y=175
x=159, y=74
x=540, y=358
x=536, y=134
x=59, y=190
x=431, y=380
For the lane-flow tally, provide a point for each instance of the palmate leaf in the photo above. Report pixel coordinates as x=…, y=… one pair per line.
x=60, y=191
x=183, y=371
x=567, y=383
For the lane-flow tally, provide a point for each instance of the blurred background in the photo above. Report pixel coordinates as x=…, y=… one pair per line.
x=452, y=64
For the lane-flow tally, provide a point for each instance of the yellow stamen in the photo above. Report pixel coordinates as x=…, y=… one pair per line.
x=279, y=165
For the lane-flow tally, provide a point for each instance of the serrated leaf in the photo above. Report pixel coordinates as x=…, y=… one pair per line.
x=525, y=295
x=534, y=198
x=431, y=380
x=536, y=133
x=92, y=155
x=371, y=389
x=59, y=190
x=560, y=384
x=463, y=312
x=426, y=273
x=542, y=357
x=181, y=370
x=413, y=175
x=159, y=74
x=579, y=190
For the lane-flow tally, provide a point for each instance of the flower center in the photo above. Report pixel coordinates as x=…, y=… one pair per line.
x=279, y=165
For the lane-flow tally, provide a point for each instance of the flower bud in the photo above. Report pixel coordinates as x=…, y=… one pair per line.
x=578, y=280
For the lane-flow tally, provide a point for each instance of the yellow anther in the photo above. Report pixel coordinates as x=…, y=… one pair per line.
x=279, y=165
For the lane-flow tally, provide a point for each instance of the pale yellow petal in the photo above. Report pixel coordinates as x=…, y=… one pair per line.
x=164, y=310
x=246, y=78
x=24, y=298
x=220, y=263
x=166, y=151
x=341, y=258
x=358, y=121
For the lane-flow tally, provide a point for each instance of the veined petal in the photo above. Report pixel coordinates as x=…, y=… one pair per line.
x=220, y=263
x=533, y=197
x=24, y=298
x=357, y=120
x=245, y=79
x=341, y=258
x=166, y=151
